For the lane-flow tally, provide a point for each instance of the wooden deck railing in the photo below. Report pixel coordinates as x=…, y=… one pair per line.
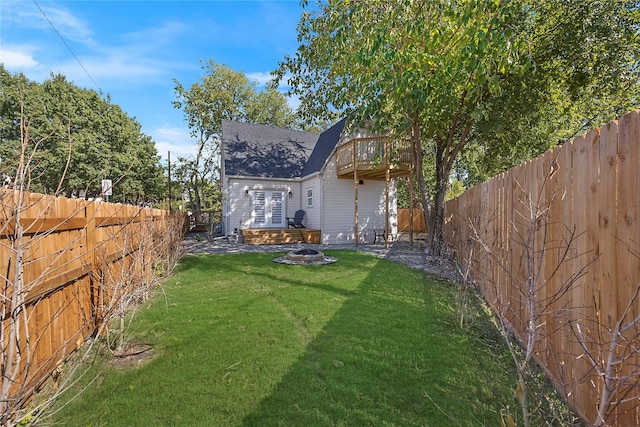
x=372, y=156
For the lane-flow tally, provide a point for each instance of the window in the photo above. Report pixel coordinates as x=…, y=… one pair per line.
x=309, y=197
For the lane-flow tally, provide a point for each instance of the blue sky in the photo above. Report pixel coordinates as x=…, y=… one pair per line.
x=132, y=50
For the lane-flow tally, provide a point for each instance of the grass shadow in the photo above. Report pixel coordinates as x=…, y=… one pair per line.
x=240, y=340
x=391, y=355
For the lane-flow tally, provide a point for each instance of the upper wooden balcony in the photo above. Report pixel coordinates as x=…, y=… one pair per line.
x=372, y=158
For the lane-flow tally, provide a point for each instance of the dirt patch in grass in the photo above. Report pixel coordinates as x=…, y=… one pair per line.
x=132, y=356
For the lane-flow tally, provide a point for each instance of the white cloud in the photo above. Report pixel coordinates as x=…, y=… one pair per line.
x=107, y=63
x=136, y=57
x=45, y=15
x=178, y=141
x=69, y=25
x=116, y=67
x=152, y=37
x=260, y=78
x=17, y=59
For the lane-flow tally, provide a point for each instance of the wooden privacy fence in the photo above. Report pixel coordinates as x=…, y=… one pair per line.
x=563, y=229
x=418, y=220
x=67, y=266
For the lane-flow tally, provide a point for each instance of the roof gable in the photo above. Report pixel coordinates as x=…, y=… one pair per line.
x=263, y=151
x=326, y=143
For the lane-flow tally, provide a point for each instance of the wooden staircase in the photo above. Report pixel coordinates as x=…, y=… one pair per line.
x=270, y=236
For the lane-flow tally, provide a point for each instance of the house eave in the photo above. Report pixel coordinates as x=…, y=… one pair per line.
x=311, y=175
x=262, y=178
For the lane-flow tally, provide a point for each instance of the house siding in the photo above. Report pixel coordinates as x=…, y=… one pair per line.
x=338, y=207
x=313, y=214
x=238, y=204
x=332, y=211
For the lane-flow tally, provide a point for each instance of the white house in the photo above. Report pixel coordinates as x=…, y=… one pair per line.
x=269, y=173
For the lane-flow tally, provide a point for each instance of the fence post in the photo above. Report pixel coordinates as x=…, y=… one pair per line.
x=90, y=260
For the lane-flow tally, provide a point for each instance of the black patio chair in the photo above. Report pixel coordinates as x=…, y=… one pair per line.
x=296, y=221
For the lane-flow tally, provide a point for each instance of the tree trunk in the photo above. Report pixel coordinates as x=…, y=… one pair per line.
x=447, y=149
x=197, y=204
x=417, y=158
x=434, y=236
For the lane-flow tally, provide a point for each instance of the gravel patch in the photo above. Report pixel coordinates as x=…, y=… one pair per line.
x=400, y=251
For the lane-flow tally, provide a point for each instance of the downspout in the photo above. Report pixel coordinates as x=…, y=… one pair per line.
x=322, y=205
x=224, y=182
x=225, y=206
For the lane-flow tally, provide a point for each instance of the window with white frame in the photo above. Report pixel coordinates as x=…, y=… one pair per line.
x=309, y=197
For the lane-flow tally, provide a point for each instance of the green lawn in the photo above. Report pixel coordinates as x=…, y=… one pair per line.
x=242, y=341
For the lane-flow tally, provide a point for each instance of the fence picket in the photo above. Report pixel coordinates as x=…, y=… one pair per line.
x=628, y=238
x=593, y=187
x=65, y=261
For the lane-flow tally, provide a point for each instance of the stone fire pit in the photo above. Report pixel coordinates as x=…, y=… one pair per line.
x=305, y=257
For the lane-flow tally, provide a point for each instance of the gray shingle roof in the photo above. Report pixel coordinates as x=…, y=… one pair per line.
x=270, y=152
x=326, y=143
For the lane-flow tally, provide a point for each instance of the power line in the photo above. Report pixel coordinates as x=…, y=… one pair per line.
x=68, y=47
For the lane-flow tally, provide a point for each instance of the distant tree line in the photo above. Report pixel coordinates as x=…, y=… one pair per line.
x=221, y=93
x=75, y=139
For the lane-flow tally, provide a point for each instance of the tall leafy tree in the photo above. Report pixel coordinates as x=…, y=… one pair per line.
x=221, y=93
x=443, y=71
x=18, y=95
x=76, y=139
x=427, y=69
x=584, y=73
x=270, y=107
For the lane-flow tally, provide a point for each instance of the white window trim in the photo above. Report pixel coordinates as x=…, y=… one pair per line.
x=309, y=189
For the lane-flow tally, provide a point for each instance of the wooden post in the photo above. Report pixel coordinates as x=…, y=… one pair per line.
x=356, y=231
x=386, y=179
x=94, y=274
x=411, y=207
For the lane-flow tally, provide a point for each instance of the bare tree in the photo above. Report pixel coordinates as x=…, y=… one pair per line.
x=45, y=284
x=19, y=338
x=610, y=347
x=144, y=254
x=524, y=310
